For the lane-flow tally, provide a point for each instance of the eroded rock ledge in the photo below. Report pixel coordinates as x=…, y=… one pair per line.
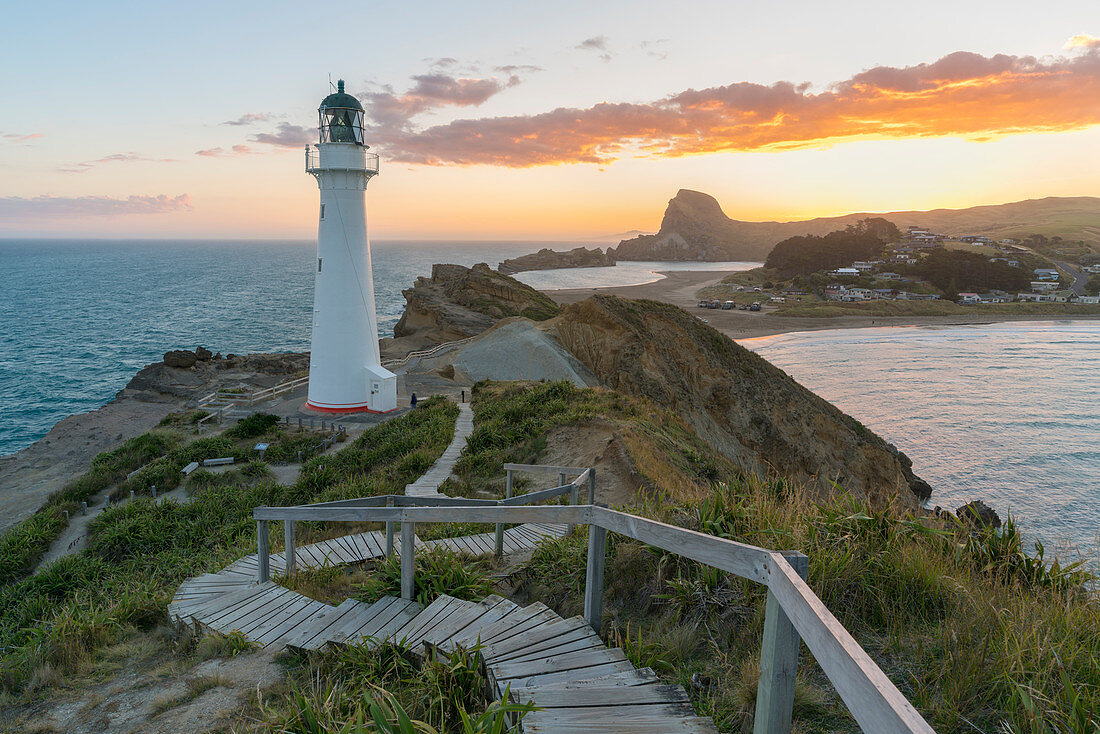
x=547, y=259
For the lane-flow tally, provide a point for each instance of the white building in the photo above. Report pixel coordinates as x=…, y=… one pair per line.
x=345, y=370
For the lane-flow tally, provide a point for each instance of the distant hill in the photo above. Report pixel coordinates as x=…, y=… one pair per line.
x=695, y=227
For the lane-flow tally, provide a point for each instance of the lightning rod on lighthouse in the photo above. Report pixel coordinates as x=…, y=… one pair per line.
x=345, y=370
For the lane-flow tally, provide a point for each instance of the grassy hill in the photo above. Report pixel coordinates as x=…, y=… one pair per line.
x=696, y=228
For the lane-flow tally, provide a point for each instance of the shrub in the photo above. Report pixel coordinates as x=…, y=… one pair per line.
x=438, y=571
x=254, y=425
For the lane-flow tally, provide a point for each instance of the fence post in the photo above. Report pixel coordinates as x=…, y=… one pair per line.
x=591, y=485
x=778, y=662
x=500, y=525
x=288, y=545
x=593, y=584
x=408, y=559
x=574, y=495
x=263, y=549
x=389, y=532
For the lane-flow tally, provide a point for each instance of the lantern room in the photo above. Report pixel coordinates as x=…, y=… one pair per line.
x=341, y=118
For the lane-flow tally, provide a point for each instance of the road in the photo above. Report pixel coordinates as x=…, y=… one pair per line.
x=1079, y=278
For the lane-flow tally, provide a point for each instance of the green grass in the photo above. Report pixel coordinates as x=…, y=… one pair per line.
x=438, y=571
x=22, y=546
x=139, y=552
x=970, y=627
x=387, y=688
x=513, y=419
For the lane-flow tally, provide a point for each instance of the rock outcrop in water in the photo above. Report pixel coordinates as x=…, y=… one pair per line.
x=184, y=375
x=457, y=302
x=748, y=409
x=547, y=259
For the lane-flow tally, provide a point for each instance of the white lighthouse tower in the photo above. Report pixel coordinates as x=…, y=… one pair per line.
x=345, y=371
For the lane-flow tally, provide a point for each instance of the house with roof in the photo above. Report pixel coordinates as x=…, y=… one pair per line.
x=1045, y=273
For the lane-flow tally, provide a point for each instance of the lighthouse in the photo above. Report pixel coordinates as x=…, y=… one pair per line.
x=345, y=370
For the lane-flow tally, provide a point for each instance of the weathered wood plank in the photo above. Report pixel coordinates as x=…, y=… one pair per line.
x=746, y=561
x=672, y=726
x=564, y=676
x=231, y=620
x=271, y=632
x=554, y=663
x=601, y=697
x=623, y=678
x=288, y=605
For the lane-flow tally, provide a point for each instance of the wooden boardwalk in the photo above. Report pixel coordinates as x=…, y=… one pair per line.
x=428, y=484
x=530, y=653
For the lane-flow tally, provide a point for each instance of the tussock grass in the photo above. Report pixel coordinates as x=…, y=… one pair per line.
x=512, y=420
x=968, y=625
x=388, y=689
x=139, y=552
x=438, y=571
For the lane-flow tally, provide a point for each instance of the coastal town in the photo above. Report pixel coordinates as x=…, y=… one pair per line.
x=922, y=265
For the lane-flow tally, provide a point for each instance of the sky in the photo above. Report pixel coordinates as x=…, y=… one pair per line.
x=553, y=121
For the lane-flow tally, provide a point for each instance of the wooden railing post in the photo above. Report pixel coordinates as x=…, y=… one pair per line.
x=500, y=525
x=408, y=559
x=573, y=496
x=591, y=485
x=593, y=584
x=778, y=662
x=389, y=533
x=288, y=545
x=263, y=549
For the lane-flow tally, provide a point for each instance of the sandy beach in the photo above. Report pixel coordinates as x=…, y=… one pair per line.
x=679, y=288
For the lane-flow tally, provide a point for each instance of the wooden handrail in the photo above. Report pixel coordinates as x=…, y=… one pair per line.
x=793, y=613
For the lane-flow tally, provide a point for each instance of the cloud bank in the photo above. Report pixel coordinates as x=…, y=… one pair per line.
x=129, y=157
x=236, y=150
x=288, y=136
x=15, y=207
x=960, y=95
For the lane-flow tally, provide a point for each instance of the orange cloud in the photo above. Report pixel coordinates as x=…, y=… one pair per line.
x=960, y=95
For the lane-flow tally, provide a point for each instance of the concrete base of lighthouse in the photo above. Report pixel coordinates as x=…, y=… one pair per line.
x=380, y=394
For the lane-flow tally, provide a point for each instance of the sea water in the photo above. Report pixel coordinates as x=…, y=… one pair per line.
x=79, y=318
x=1002, y=412
x=1006, y=413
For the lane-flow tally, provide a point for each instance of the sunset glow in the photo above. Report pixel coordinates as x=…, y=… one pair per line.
x=555, y=133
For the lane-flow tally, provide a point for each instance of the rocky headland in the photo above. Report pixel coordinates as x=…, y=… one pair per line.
x=547, y=259
x=750, y=411
x=457, y=302
x=695, y=227
x=29, y=476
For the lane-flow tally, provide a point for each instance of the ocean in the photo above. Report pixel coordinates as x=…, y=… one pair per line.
x=79, y=318
x=1005, y=413
x=1000, y=412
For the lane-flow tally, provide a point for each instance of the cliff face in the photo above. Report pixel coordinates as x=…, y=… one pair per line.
x=746, y=408
x=457, y=302
x=547, y=259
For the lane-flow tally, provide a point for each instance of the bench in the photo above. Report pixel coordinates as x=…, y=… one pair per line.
x=218, y=462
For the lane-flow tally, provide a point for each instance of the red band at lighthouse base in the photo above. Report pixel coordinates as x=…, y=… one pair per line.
x=352, y=409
